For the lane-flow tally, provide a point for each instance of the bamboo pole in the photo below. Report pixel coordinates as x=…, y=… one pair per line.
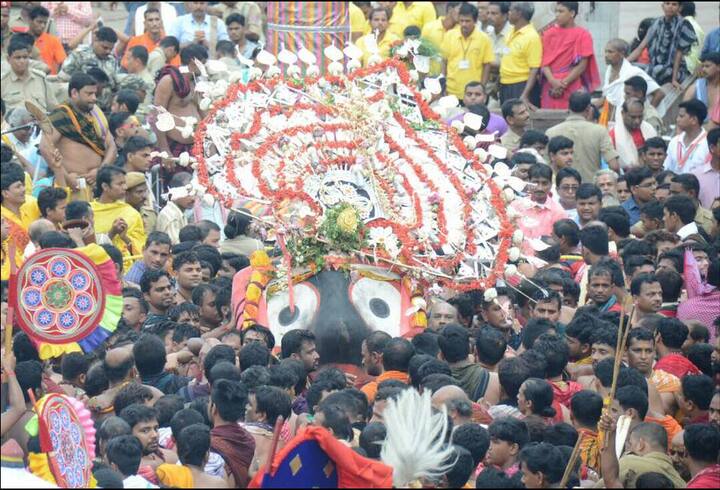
x=621, y=342
x=10, y=319
x=571, y=463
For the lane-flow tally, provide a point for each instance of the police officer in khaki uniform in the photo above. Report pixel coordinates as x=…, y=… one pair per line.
x=21, y=83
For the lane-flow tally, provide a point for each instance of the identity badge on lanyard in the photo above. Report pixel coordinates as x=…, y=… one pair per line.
x=464, y=63
x=682, y=159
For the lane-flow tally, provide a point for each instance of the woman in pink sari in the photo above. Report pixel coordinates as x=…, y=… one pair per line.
x=568, y=63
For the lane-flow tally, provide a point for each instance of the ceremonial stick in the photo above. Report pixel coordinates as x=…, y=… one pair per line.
x=571, y=463
x=11, y=309
x=273, y=446
x=621, y=341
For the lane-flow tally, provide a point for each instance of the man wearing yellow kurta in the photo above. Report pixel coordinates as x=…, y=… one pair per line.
x=407, y=14
x=379, y=25
x=434, y=32
x=359, y=25
x=18, y=211
x=122, y=223
x=467, y=52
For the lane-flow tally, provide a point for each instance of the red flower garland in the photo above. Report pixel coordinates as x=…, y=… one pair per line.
x=286, y=192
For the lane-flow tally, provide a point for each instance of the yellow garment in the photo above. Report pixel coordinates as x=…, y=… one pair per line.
x=358, y=22
x=28, y=185
x=54, y=351
x=692, y=60
x=174, y=476
x=589, y=448
x=29, y=212
x=383, y=46
x=465, y=58
x=585, y=361
x=100, y=121
x=106, y=214
x=524, y=51
x=434, y=32
x=417, y=14
x=665, y=382
x=28, y=178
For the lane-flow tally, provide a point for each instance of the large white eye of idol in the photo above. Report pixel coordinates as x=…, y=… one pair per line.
x=379, y=304
x=281, y=319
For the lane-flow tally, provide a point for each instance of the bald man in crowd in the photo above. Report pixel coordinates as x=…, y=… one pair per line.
x=458, y=404
x=119, y=367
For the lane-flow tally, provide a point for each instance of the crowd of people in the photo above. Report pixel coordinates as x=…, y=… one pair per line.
x=622, y=229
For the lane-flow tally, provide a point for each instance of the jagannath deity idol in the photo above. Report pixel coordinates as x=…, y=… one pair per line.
x=372, y=201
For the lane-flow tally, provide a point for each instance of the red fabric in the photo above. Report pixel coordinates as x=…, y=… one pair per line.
x=677, y=365
x=361, y=377
x=558, y=418
x=636, y=134
x=49, y=386
x=700, y=419
x=236, y=446
x=707, y=478
x=563, y=48
x=181, y=85
x=644, y=58
x=480, y=415
x=147, y=472
x=564, y=391
x=354, y=471
x=668, y=313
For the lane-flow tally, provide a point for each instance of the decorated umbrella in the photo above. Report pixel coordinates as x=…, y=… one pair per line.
x=67, y=442
x=67, y=300
x=315, y=459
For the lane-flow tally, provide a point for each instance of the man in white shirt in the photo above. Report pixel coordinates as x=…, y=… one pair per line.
x=181, y=197
x=618, y=71
x=679, y=216
x=499, y=31
x=199, y=27
x=689, y=150
x=124, y=454
x=168, y=14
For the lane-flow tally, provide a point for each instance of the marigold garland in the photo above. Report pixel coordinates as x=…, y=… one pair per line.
x=259, y=278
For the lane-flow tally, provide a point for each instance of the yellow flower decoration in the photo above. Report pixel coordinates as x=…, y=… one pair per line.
x=261, y=268
x=347, y=220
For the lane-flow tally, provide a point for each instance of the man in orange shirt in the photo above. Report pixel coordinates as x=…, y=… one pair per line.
x=150, y=39
x=50, y=48
x=396, y=360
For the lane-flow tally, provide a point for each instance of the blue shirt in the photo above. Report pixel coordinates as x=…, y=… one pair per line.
x=712, y=42
x=633, y=210
x=185, y=26
x=136, y=272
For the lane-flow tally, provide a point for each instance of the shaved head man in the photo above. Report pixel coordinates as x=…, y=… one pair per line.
x=119, y=367
x=37, y=228
x=459, y=406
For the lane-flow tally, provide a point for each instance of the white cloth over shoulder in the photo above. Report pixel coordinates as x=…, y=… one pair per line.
x=614, y=91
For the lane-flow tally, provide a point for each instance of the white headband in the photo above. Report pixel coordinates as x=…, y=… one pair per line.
x=180, y=192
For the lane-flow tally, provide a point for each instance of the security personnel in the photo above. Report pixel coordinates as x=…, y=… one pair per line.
x=22, y=83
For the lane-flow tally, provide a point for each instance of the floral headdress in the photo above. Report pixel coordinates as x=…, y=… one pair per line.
x=356, y=169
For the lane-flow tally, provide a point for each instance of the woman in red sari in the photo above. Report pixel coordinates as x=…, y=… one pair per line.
x=568, y=63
